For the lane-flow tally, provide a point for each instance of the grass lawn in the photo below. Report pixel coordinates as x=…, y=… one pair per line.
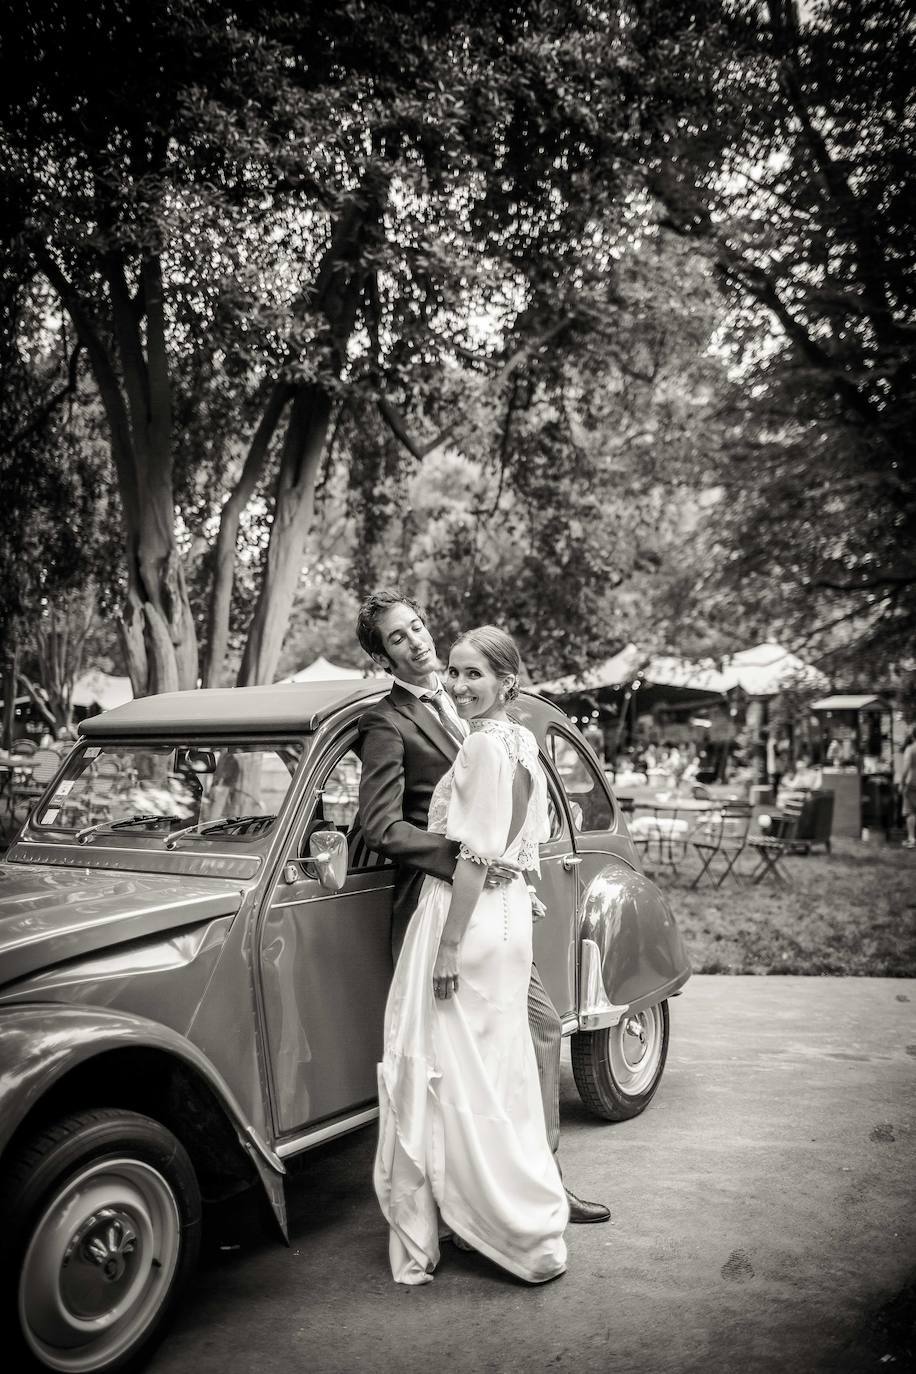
x=850, y=912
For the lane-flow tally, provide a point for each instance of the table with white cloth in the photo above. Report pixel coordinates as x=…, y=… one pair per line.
x=662, y=829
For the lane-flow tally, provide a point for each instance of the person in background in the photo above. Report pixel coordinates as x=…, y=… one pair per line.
x=908, y=789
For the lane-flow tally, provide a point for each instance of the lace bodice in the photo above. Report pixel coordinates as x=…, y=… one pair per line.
x=472, y=802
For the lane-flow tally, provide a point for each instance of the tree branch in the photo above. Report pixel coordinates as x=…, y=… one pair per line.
x=869, y=256
x=44, y=411
x=398, y=426
x=106, y=380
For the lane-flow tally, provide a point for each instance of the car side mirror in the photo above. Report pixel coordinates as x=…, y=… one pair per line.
x=328, y=855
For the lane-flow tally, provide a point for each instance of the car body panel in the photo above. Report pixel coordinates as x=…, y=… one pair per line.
x=325, y=965
x=643, y=958
x=122, y=854
x=554, y=936
x=51, y=914
x=162, y=976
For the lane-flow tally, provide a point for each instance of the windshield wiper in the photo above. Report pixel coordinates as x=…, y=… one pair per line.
x=83, y=835
x=206, y=827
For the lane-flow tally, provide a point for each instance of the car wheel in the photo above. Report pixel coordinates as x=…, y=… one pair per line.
x=101, y=1231
x=618, y=1069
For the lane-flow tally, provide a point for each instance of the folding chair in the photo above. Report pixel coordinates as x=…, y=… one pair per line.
x=779, y=841
x=723, y=832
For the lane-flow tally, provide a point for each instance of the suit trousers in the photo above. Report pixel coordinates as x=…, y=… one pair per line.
x=546, y=1033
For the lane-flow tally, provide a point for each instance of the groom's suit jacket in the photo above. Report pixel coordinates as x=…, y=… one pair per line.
x=404, y=751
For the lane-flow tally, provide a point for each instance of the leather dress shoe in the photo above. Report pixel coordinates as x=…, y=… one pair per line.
x=582, y=1211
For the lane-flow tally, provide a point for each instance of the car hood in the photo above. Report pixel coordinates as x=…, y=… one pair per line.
x=48, y=915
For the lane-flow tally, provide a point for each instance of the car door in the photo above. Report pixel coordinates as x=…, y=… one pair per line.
x=555, y=944
x=588, y=810
x=325, y=963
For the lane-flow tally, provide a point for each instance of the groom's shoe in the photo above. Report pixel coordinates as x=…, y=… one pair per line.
x=586, y=1211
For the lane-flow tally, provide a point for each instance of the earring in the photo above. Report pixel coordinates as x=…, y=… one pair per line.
x=503, y=698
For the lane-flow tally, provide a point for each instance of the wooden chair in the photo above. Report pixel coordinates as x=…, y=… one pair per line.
x=97, y=799
x=723, y=833
x=43, y=765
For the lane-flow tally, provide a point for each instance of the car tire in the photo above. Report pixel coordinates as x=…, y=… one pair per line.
x=101, y=1231
x=618, y=1069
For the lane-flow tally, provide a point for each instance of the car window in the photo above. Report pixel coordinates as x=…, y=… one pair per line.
x=336, y=807
x=588, y=801
x=235, y=788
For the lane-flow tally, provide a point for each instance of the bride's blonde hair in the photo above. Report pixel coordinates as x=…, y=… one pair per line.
x=499, y=650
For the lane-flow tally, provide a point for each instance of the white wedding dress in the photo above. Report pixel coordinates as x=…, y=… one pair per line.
x=461, y=1128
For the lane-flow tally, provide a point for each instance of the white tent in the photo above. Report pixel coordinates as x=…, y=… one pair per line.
x=322, y=670
x=761, y=671
x=611, y=673
x=96, y=688
x=766, y=669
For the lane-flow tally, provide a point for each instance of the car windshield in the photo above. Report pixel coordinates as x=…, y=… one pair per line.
x=234, y=789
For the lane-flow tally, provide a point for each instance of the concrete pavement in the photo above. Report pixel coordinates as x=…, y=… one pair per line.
x=763, y=1220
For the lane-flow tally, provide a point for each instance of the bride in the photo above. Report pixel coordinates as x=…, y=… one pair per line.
x=461, y=1130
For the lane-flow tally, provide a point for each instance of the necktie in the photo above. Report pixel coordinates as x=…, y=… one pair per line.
x=434, y=699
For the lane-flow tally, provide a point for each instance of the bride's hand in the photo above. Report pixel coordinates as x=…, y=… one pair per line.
x=445, y=970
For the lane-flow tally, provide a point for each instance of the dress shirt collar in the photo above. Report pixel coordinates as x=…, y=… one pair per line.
x=421, y=692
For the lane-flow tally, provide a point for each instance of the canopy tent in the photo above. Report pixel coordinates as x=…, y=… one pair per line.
x=850, y=703
x=96, y=688
x=760, y=672
x=322, y=670
x=767, y=669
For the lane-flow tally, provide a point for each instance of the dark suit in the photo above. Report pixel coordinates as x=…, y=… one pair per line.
x=405, y=750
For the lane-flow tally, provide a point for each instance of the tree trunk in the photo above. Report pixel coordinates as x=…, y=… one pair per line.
x=9, y=698
x=157, y=627
x=224, y=573
x=294, y=509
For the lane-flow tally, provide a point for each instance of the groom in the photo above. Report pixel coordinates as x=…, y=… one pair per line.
x=408, y=740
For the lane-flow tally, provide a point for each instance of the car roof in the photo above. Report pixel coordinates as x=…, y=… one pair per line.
x=282, y=706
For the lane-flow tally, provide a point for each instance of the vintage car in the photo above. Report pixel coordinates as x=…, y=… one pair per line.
x=194, y=960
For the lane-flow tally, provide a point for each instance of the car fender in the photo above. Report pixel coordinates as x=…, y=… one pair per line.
x=632, y=954
x=41, y=1042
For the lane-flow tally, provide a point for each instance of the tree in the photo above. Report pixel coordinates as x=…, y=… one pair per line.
x=810, y=229
x=264, y=223
x=557, y=525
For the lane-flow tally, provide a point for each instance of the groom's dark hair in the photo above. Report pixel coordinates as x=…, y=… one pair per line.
x=371, y=612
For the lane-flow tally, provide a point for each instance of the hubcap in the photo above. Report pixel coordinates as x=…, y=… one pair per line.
x=99, y=1265
x=634, y=1050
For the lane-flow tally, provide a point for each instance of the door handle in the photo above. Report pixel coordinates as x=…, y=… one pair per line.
x=571, y=861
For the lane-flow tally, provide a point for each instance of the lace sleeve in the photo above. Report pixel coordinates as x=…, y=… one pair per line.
x=480, y=809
